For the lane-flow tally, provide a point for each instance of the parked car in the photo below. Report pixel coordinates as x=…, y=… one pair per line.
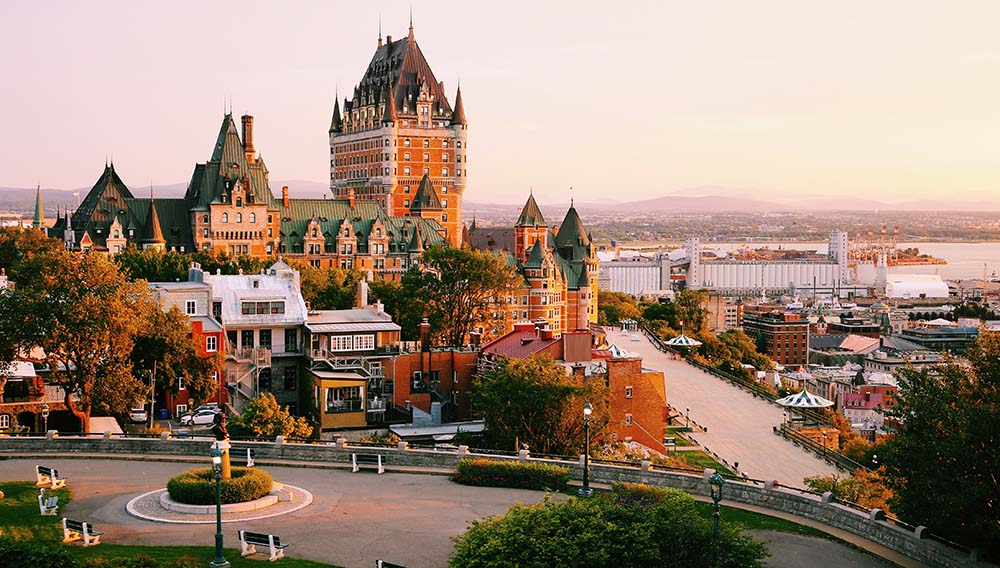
x=138, y=415
x=213, y=406
x=200, y=418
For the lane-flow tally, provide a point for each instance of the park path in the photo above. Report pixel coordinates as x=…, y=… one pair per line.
x=740, y=426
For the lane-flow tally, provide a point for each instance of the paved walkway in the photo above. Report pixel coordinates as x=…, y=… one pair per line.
x=354, y=519
x=739, y=425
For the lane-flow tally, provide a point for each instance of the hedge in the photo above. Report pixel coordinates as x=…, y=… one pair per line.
x=197, y=486
x=521, y=475
x=29, y=554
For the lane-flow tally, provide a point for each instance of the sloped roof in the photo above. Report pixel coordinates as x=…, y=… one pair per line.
x=426, y=197
x=174, y=221
x=336, y=123
x=492, y=238
x=518, y=344
x=536, y=257
x=458, y=116
x=572, y=232
x=531, y=215
x=215, y=179
x=98, y=209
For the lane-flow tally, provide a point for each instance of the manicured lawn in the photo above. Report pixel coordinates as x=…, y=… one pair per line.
x=19, y=520
x=702, y=460
x=680, y=436
x=757, y=521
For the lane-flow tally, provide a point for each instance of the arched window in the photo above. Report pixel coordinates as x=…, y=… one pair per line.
x=204, y=219
x=225, y=217
x=239, y=217
x=444, y=217
x=204, y=233
x=117, y=234
x=253, y=217
x=270, y=232
x=239, y=202
x=314, y=232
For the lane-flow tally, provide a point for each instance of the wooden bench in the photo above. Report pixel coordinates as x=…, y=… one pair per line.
x=249, y=541
x=48, y=477
x=79, y=530
x=47, y=505
x=358, y=460
x=384, y=564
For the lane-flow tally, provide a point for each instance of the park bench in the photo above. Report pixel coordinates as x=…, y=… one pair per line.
x=47, y=505
x=79, y=530
x=384, y=564
x=48, y=477
x=249, y=541
x=358, y=460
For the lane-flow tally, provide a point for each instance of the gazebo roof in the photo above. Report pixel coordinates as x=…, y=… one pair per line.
x=804, y=399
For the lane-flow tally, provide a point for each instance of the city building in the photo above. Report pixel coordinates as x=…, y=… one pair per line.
x=782, y=336
x=398, y=130
x=954, y=340
x=723, y=313
x=193, y=299
x=558, y=266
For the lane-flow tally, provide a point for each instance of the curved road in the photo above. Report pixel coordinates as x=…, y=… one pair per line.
x=355, y=519
x=739, y=424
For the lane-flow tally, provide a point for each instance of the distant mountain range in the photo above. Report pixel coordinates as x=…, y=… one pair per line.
x=698, y=200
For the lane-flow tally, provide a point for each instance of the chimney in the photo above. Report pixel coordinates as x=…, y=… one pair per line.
x=284, y=196
x=350, y=197
x=388, y=39
x=475, y=338
x=248, y=136
x=546, y=333
x=425, y=335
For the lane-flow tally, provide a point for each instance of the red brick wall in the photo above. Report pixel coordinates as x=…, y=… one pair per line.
x=455, y=370
x=646, y=405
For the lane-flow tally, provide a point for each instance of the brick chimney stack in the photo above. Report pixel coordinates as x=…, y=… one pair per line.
x=425, y=335
x=350, y=197
x=284, y=196
x=248, y=137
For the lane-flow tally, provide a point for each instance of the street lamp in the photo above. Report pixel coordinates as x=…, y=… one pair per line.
x=715, y=483
x=687, y=418
x=45, y=416
x=220, y=561
x=784, y=418
x=824, y=445
x=874, y=461
x=585, y=491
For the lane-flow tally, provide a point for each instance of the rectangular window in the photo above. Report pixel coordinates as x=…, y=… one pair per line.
x=628, y=419
x=181, y=409
x=263, y=308
x=265, y=338
x=291, y=378
x=211, y=344
x=190, y=306
x=247, y=308
x=344, y=399
x=291, y=340
x=277, y=307
x=341, y=343
x=364, y=342
x=628, y=392
x=247, y=338
x=4, y=421
x=180, y=383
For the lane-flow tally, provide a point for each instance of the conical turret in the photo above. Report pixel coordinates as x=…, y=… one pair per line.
x=458, y=115
x=336, y=124
x=39, y=221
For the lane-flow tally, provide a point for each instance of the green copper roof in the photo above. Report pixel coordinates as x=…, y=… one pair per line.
x=39, y=220
x=536, y=257
x=531, y=215
x=426, y=197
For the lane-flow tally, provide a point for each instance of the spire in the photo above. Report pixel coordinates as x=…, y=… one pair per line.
x=411, y=21
x=426, y=197
x=572, y=231
x=39, y=221
x=155, y=233
x=336, y=124
x=390, y=116
x=531, y=215
x=417, y=242
x=458, y=115
x=380, y=30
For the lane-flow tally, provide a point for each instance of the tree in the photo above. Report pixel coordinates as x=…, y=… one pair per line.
x=619, y=531
x=405, y=309
x=167, y=342
x=155, y=265
x=328, y=288
x=534, y=401
x=456, y=289
x=864, y=487
x=943, y=464
x=262, y=417
x=613, y=307
x=85, y=316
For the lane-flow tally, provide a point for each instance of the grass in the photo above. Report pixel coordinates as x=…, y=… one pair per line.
x=758, y=521
x=702, y=460
x=20, y=520
x=680, y=437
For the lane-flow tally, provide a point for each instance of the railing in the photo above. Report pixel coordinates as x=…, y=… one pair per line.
x=872, y=524
x=259, y=356
x=838, y=459
x=362, y=362
x=351, y=405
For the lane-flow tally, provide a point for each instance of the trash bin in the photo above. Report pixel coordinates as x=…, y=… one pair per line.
x=163, y=414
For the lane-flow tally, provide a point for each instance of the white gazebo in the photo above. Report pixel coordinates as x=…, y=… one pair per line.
x=682, y=341
x=804, y=399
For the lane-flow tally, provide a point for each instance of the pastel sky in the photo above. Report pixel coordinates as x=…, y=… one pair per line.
x=624, y=100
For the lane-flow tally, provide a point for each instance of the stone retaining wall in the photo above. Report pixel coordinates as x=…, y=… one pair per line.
x=870, y=526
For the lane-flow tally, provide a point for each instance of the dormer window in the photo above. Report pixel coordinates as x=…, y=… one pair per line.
x=131, y=233
x=314, y=232
x=117, y=235
x=378, y=232
x=225, y=217
x=239, y=202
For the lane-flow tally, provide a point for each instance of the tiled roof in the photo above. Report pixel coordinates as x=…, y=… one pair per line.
x=458, y=116
x=426, y=197
x=492, y=238
x=531, y=215
x=518, y=345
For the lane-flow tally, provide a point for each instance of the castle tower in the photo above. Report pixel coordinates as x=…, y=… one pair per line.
x=397, y=128
x=529, y=229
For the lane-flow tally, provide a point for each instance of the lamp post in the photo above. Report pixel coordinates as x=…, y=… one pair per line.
x=687, y=417
x=874, y=461
x=784, y=418
x=220, y=561
x=715, y=483
x=45, y=416
x=585, y=491
x=824, y=445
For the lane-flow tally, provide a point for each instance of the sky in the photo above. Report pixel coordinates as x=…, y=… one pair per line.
x=896, y=99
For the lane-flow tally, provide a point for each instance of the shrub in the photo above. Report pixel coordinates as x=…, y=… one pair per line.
x=602, y=532
x=499, y=473
x=197, y=486
x=644, y=495
x=29, y=554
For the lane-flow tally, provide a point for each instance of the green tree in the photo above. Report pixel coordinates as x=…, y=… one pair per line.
x=863, y=487
x=85, y=316
x=406, y=310
x=613, y=307
x=328, y=288
x=167, y=342
x=534, y=401
x=619, y=531
x=943, y=464
x=153, y=265
x=262, y=417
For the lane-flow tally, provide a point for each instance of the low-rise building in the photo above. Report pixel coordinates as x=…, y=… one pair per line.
x=782, y=336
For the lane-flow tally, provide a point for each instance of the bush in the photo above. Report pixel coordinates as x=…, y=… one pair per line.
x=499, y=473
x=197, y=486
x=28, y=554
x=600, y=531
x=644, y=495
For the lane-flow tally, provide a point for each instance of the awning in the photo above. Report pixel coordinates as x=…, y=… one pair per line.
x=804, y=399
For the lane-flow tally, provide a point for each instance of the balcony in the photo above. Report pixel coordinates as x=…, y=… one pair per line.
x=258, y=356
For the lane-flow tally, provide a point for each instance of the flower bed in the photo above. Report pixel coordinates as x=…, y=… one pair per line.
x=521, y=475
x=197, y=486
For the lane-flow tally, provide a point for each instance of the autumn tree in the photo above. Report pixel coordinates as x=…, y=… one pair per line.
x=167, y=346
x=155, y=265
x=328, y=288
x=943, y=463
x=864, y=487
x=534, y=401
x=613, y=307
x=262, y=417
